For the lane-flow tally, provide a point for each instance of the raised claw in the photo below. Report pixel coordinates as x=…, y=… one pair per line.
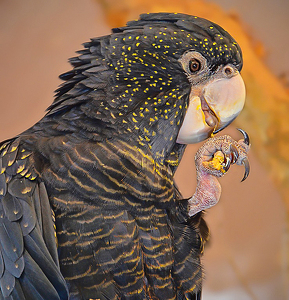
x=246, y=136
x=246, y=164
x=234, y=152
x=227, y=163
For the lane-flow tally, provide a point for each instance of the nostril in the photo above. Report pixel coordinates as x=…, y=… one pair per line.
x=229, y=71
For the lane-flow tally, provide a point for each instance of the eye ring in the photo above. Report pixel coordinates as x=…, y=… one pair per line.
x=194, y=65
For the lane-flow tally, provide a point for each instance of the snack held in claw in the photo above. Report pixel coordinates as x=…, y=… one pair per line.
x=216, y=163
x=88, y=206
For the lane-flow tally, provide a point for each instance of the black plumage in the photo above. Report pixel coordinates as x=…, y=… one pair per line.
x=88, y=204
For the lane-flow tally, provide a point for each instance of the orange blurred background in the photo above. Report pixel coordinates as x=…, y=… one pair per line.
x=247, y=257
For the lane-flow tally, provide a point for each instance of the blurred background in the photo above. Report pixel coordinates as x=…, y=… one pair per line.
x=247, y=257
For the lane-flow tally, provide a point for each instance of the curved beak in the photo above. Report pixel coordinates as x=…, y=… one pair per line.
x=226, y=98
x=215, y=107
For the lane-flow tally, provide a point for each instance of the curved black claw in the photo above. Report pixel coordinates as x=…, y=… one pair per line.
x=227, y=163
x=246, y=136
x=246, y=164
x=235, y=154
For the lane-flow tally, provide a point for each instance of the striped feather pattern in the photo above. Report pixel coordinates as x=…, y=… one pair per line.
x=114, y=232
x=87, y=193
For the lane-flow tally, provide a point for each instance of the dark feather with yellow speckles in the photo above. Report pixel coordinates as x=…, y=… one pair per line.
x=98, y=169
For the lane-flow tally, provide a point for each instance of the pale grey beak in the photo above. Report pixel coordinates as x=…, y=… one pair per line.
x=219, y=103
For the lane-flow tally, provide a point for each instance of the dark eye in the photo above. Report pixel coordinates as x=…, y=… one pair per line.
x=194, y=65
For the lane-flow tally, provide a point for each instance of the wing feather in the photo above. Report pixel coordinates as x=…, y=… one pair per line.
x=12, y=208
x=7, y=284
x=47, y=224
x=3, y=186
x=28, y=220
x=35, y=283
x=14, y=268
x=17, y=293
x=29, y=267
x=11, y=239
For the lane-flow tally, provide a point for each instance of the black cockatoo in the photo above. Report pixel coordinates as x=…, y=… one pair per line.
x=88, y=206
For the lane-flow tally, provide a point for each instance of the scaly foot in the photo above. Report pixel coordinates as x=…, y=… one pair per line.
x=213, y=160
